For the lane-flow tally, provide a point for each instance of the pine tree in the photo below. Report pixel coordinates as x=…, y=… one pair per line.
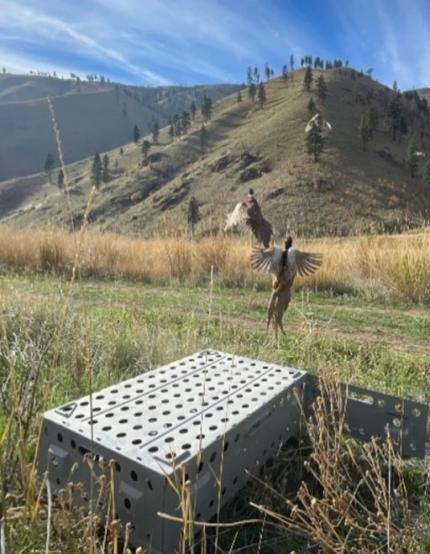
x=395, y=115
x=193, y=110
x=206, y=109
x=427, y=174
x=96, y=170
x=146, y=146
x=203, y=139
x=136, y=134
x=252, y=91
x=267, y=72
x=155, y=132
x=185, y=121
x=261, y=94
x=365, y=130
x=249, y=78
x=307, y=81
x=373, y=119
x=171, y=131
x=321, y=88
x=239, y=97
x=314, y=143
x=285, y=73
x=292, y=62
x=311, y=105
x=256, y=75
x=105, y=173
x=49, y=165
x=193, y=213
x=411, y=157
x=60, y=179
x=395, y=87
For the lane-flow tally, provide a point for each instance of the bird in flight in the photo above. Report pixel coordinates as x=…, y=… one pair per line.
x=283, y=264
x=249, y=212
x=318, y=122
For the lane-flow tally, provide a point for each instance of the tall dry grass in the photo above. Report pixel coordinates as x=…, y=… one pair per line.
x=389, y=266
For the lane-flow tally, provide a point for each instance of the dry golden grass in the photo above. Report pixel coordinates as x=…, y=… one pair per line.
x=389, y=266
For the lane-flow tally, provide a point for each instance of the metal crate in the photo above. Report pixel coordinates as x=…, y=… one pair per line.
x=208, y=418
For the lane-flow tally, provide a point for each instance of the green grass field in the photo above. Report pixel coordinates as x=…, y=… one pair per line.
x=53, y=332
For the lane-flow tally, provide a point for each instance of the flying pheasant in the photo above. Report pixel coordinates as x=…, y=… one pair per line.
x=318, y=121
x=283, y=264
x=249, y=212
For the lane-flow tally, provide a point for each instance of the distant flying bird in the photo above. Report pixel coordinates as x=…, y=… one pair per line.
x=283, y=264
x=249, y=212
x=318, y=122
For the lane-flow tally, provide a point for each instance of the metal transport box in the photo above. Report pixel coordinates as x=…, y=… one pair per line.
x=206, y=420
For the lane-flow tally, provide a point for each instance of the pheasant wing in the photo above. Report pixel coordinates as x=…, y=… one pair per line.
x=237, y=217
x=305, y=263
x=266, y=260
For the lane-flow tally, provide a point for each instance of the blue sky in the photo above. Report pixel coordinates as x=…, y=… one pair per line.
x=156, y=42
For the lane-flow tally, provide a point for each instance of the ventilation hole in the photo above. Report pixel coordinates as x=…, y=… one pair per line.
x=125, y=409
x=200, y=436
x=123, y=421
x=213, y=428
x=121, y=435
x=166, y=412
x=235, y=480
x=152, y=419
x=73, y=443
x=136, y=441
x=153, y=433
x=133, y=475
x=211, y=503
x=223, y=491
x=106, y=428
x=85, y=403
x=236, y=438
x=183, y=431
x=153, y=449
x=110, y=414
x=186, y=446
x=149, y=483
x=127, y=503
x=60, y=437
x=79, y=416
x=137, y=427
x=117, y=467
x=169, y=439
x=224, y=419
x=213, y=457
x=225, y=446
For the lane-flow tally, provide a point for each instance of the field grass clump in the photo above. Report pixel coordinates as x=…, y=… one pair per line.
x=390, y=267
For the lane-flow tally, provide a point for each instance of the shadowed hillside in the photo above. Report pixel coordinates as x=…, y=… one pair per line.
x=92, y=116
x=349, y=190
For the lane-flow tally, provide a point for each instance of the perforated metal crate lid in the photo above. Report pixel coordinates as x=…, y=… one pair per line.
x=177, y=410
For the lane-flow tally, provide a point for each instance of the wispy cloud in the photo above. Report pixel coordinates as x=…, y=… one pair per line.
x=163, y=41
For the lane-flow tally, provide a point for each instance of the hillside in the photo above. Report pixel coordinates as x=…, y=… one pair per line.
x=92, y=116
x=350, y=189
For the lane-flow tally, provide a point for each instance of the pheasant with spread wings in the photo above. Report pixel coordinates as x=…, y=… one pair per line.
x=284, y=265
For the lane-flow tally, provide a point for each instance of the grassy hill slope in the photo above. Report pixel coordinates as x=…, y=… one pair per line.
x=91, y=116
x=349, y=190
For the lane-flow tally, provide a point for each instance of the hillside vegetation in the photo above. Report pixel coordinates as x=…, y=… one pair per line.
x=91, y=115
x=349, y=190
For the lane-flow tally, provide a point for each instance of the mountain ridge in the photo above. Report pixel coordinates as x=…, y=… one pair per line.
x=349, y=190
